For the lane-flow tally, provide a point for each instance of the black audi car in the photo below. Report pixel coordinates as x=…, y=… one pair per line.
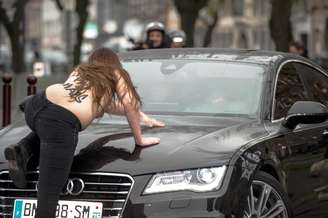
x=246, y=136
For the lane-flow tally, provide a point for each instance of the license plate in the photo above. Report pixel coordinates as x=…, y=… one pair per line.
x=65, y=209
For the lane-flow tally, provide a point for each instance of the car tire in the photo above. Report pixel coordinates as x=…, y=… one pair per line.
x=273, y=201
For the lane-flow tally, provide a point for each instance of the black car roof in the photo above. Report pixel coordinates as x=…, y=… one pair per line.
x=244, y=55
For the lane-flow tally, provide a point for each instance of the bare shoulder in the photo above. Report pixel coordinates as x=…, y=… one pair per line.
x=53, y=91
x=54, y=87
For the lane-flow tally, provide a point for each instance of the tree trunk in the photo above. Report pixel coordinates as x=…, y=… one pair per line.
x=188, y=10
x=15, y=31
x=209, y=31
x=280, y=25
x=82, y=11
x=188, y=21
x=17, y=50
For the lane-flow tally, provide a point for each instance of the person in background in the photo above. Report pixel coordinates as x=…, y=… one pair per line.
x=178, y=38
x=298, y=49
x=156, y=37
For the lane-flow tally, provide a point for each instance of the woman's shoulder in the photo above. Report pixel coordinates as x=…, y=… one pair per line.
x=54, y=87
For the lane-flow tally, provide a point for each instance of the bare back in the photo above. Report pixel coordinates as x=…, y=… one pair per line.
x=82, y=106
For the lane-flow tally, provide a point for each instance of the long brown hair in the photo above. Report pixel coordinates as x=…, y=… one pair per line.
x=101, y=74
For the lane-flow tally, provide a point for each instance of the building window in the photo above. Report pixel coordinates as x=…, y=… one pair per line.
x=238, y=7
x=264, y=7
x=256, y=8
x=260, y=7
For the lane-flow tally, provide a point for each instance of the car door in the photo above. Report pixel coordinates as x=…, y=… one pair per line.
x=317, y=85
x=304, y=146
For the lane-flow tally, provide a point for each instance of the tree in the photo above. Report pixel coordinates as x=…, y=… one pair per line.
x=209, y=15
x=188, y=10
x=15, y=30
x=81, y=9
x=280, y=25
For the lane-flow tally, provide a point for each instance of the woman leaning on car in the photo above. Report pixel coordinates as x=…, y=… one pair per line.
x=57, y=114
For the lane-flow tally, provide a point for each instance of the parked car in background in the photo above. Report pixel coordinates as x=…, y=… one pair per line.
x=246, y=135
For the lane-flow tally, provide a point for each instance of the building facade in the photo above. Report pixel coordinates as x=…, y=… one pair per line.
x=148, y=10
x=243, y=24
x=310, y=25
x=116, y=18
x=33, y=24
x=52, y=28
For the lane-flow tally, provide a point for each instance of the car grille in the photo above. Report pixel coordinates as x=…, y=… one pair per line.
x=109, y=188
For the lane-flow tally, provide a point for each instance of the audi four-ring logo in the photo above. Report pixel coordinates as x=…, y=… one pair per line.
x=73, y=187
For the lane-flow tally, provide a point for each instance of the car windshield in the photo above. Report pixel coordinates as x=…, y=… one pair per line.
x=197, y=87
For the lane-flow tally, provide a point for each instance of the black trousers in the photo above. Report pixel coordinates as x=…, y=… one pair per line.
x=53, y=138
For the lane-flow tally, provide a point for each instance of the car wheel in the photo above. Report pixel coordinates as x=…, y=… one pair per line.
x=266, y=199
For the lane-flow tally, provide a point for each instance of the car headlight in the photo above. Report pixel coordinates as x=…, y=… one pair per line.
x=200, y=180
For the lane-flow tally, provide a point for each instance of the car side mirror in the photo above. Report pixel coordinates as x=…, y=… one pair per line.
x=305, y=112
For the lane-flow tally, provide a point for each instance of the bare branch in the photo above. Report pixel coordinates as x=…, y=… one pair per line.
x=5, y=19
x=209, y=31
x=59, y=5
x=19, y=12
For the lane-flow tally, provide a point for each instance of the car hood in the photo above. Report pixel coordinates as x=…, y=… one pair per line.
x=186, y=142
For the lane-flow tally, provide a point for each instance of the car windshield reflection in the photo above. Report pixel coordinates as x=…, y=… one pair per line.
x=198, y=87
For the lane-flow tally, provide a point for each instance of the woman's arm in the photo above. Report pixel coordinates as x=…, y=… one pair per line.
x=117, y=108
x=132, y=114
x=151, y=122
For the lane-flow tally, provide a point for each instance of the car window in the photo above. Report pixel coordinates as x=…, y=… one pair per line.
x=317, y=83
x=290, y=89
